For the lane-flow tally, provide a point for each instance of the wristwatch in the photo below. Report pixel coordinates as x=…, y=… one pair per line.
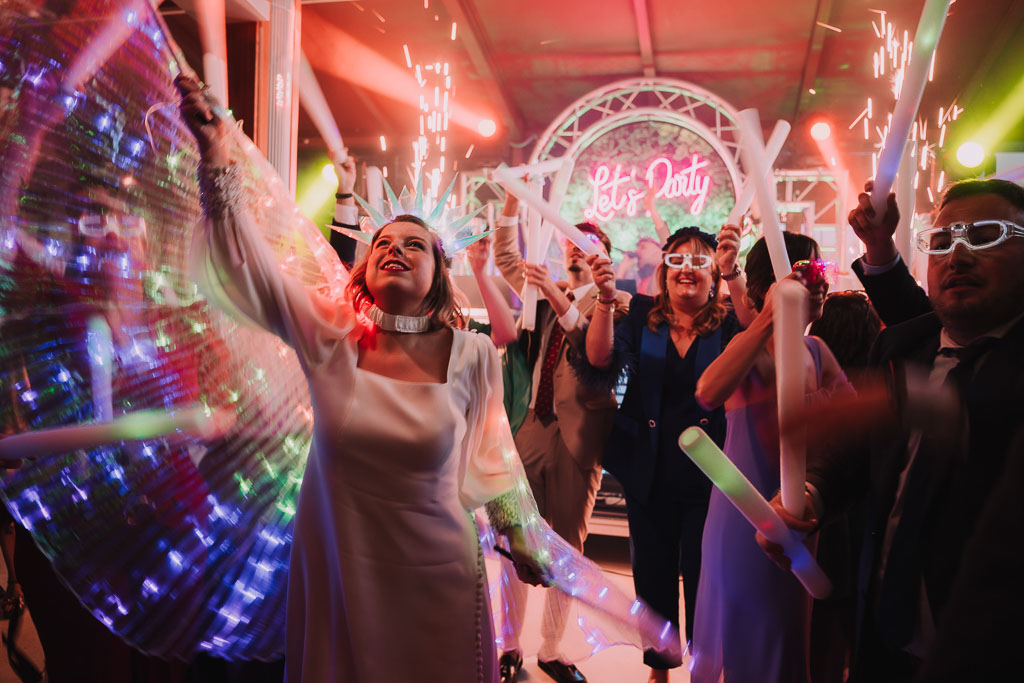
x=736, y=272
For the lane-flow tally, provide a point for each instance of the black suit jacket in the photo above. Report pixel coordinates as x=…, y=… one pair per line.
x=894, y=294
x=964, y=478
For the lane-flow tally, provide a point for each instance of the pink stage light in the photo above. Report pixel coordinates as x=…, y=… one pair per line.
x=345, y=58
x=487, y=127
x=821, y=131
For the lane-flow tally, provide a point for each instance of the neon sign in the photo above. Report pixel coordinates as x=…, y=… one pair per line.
x=613, y=192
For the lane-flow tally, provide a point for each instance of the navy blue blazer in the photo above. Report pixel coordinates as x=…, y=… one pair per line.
x=632, y=449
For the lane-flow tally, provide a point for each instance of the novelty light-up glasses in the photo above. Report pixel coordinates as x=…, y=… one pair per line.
x=974, y=236
x=693, y=261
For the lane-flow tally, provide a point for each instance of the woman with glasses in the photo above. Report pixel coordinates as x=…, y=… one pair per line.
x=664, y=344
x=752, y=618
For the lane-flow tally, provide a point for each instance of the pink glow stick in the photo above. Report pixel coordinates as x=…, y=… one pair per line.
x=933, y=17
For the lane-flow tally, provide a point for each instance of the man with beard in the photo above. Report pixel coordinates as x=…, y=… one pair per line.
x=563, y=435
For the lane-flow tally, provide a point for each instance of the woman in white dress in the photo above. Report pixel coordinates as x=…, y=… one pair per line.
x=386, y=581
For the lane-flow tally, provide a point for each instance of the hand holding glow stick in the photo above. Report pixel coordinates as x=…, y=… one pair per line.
x=933, y=17
x=210, y=16
x=753, y=153
x=147, y=424
x=741, y=493
x=771, y=151
x=547, y=210
x=790, y=316
x=312, y=98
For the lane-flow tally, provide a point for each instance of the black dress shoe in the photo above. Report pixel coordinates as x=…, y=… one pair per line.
x=563, y=673
x=509, y=665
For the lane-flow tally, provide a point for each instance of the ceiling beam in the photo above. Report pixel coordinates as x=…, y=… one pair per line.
x=643, y=33
x=822, y=15
x=474, y=39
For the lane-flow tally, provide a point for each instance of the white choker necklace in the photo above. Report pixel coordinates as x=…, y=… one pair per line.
x=409, y=324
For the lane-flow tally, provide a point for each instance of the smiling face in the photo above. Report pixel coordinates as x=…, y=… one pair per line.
x=401, y=263
x=975, y=291
x=689, y=287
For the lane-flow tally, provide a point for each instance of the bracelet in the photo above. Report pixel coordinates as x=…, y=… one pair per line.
x=736, y=272
x=606, y=302
x=506, y=221
x=342, y=195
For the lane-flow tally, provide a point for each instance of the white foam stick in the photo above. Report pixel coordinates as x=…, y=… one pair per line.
x=752, y=150
x=906, y=198
x=741, y=493
x=312, y=98
x=100, y=347
x=533, y=257
x=211, y=19
x=771, y=152
x=521, y=171
x=547, y=210
x=118, y=25
x=929, y=28
x=790, y=320
x=557, y=194
x=1014, y=175
x=150, y=424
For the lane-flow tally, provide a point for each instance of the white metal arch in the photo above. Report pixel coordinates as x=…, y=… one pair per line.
x=681, y=102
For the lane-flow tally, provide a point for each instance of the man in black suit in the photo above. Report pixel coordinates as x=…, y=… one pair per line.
x=926, y=487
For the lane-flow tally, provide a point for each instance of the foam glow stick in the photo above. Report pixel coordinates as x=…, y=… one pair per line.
x=771, y=151
x=561, y=184
x=119, y=26
x=906, y=198
x=148, y=424
x=312, y=98
x=933, y=16
x=790, y=318
x=99, y=346
x=1014, y=175
x=539, y=168
x=211, y=19
x=547, y=210
x=741, y=493
x=752, y=150
x=533, y=257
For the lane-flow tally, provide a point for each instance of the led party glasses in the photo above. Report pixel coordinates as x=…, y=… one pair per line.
x=694, y=261
x=974, y=236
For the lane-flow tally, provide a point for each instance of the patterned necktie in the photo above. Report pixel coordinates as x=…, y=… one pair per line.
x=544, y=406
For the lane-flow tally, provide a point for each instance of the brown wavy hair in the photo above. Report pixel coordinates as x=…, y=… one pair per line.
x=440, y=302
x=711, y=314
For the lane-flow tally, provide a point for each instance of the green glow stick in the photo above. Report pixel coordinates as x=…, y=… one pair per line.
x=741, y=493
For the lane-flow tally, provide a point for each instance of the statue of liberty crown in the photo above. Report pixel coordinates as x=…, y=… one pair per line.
x=449, y=224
